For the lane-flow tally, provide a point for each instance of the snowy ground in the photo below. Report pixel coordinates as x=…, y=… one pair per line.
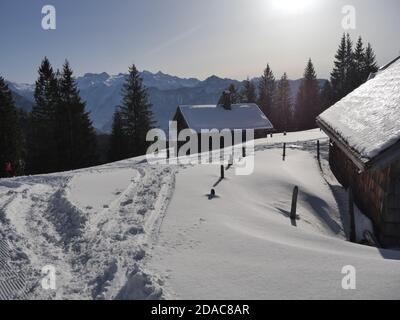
x=131, y=230
x=92, y=225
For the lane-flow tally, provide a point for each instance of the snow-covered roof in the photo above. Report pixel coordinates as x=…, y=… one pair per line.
x=241, y=116
x=367, y=121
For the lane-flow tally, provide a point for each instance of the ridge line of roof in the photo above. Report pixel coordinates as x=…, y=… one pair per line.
x=216, y=105
x=389, y=64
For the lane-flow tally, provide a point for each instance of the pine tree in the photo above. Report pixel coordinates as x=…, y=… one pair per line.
x=10, y=134
x=234, y=96
x=267, y=87
x=118, y=150
x=42, y=142
x=136, y=114
x=338, y=75
x=283, y=105
x=307, y=104
x=249, y=92
x=76, y=139
x=370, y=64
x=326, y=97
x=351, y=69
x=23, y=123
x=359, y=62
x=87, y=143
x=225, y=99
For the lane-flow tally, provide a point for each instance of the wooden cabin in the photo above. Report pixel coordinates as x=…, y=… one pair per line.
x=232, y=117
x=364, y=128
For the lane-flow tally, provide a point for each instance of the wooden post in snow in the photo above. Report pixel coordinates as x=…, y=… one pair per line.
x=284, y=151
x=230, y=162
x=352, y=218
x=222, y=172
x=167, y=149
x=244, y=152
x=293, y=211
x=318, y=151
x=211, y=195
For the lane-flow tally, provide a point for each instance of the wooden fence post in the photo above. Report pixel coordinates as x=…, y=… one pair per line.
x=352, y=218
x=293, y=211
x=244, y=152
x=167, y=149
x=222, y=172
x=211, y=195
x=230, y=162
x=284, y=151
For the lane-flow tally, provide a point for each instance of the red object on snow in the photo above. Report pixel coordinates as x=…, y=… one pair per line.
x=8, y=167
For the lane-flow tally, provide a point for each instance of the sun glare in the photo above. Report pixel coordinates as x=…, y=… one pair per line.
x=291, y=6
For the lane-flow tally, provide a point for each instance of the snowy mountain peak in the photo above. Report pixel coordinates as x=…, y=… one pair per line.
x=21, y=87
x=94, y=77
x=100, y=76
x=213, y=77
x=102, y=93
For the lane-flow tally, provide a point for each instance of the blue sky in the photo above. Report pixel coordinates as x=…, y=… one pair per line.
x=189, y=38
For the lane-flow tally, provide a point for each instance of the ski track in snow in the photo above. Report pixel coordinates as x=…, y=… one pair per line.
x=96, y=254
x=102, y=228
x=12, y=284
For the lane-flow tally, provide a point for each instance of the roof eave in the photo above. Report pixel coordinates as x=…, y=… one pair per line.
x=355, y=158
x=381, y=161
x=269, y=128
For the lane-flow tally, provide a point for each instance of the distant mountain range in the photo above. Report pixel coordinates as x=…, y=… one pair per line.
x=102, y=93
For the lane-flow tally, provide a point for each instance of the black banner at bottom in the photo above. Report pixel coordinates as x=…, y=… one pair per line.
x=189, y=309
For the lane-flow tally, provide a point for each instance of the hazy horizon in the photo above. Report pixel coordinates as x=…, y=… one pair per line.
x=232, y=39
x=201, y=79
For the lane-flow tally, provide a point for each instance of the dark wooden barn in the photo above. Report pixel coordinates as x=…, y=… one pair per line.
x=232, y=117
x=364, y=128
